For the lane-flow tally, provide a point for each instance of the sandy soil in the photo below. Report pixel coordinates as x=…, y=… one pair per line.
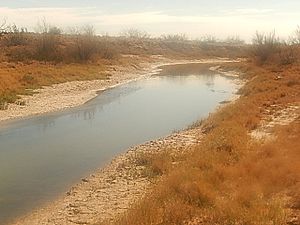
x=275, y=115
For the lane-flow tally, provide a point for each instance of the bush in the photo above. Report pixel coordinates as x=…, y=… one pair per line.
x=287, y=54
x=20, y=54
x=107, y=49
x=107, y=52
x=295, y=38
x=5, y=98
x=47, y=47
x=48, y=42
x=3, y=27
x=174, y=37
x=16, y=36
x=264, y=46
x=234, y=40
x=86, y=44
x=135, y=34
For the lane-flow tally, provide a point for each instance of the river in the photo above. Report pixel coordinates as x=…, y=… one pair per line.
x=41, y=157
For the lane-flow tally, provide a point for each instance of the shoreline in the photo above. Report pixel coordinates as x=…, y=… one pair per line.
x=110, y=190
x=58, y=97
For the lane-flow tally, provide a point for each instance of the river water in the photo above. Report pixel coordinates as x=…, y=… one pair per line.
x=42, y=156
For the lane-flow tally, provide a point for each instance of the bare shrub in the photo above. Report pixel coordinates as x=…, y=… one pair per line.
x=48, y=42
x=174, y=37
x=43, y=27
x=287, y=54
x=208, y=44
x=208, y=39
x=16, y=36
x=234, y=40
x=295, y=38
x=6, y=98
x=86, y=44
x=3, y=27
x=264, y=46
x=54, y=30
x=21, y=54
x=175, y=42
x=155, y=164
x=133, y=33
x=107, y=51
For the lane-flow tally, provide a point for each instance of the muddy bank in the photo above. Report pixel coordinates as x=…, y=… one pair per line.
x=71, y=94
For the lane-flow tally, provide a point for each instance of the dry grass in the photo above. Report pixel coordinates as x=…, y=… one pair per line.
x=22, y=78
x=230, y=178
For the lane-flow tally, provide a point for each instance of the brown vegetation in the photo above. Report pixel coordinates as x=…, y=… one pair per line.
x=268, y=48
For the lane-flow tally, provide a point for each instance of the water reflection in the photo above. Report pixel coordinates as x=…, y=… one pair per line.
x=47, y=123
x=94, y=106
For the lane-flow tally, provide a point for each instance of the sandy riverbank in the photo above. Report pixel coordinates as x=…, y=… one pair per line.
x=71, y=94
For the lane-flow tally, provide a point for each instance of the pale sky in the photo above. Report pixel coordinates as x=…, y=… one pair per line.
x=192, y=17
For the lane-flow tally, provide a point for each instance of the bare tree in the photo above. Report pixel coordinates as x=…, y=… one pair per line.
x=295, y=38
x=43, y=27
x=133, y=33
x=88, y=30
x=3, y=27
